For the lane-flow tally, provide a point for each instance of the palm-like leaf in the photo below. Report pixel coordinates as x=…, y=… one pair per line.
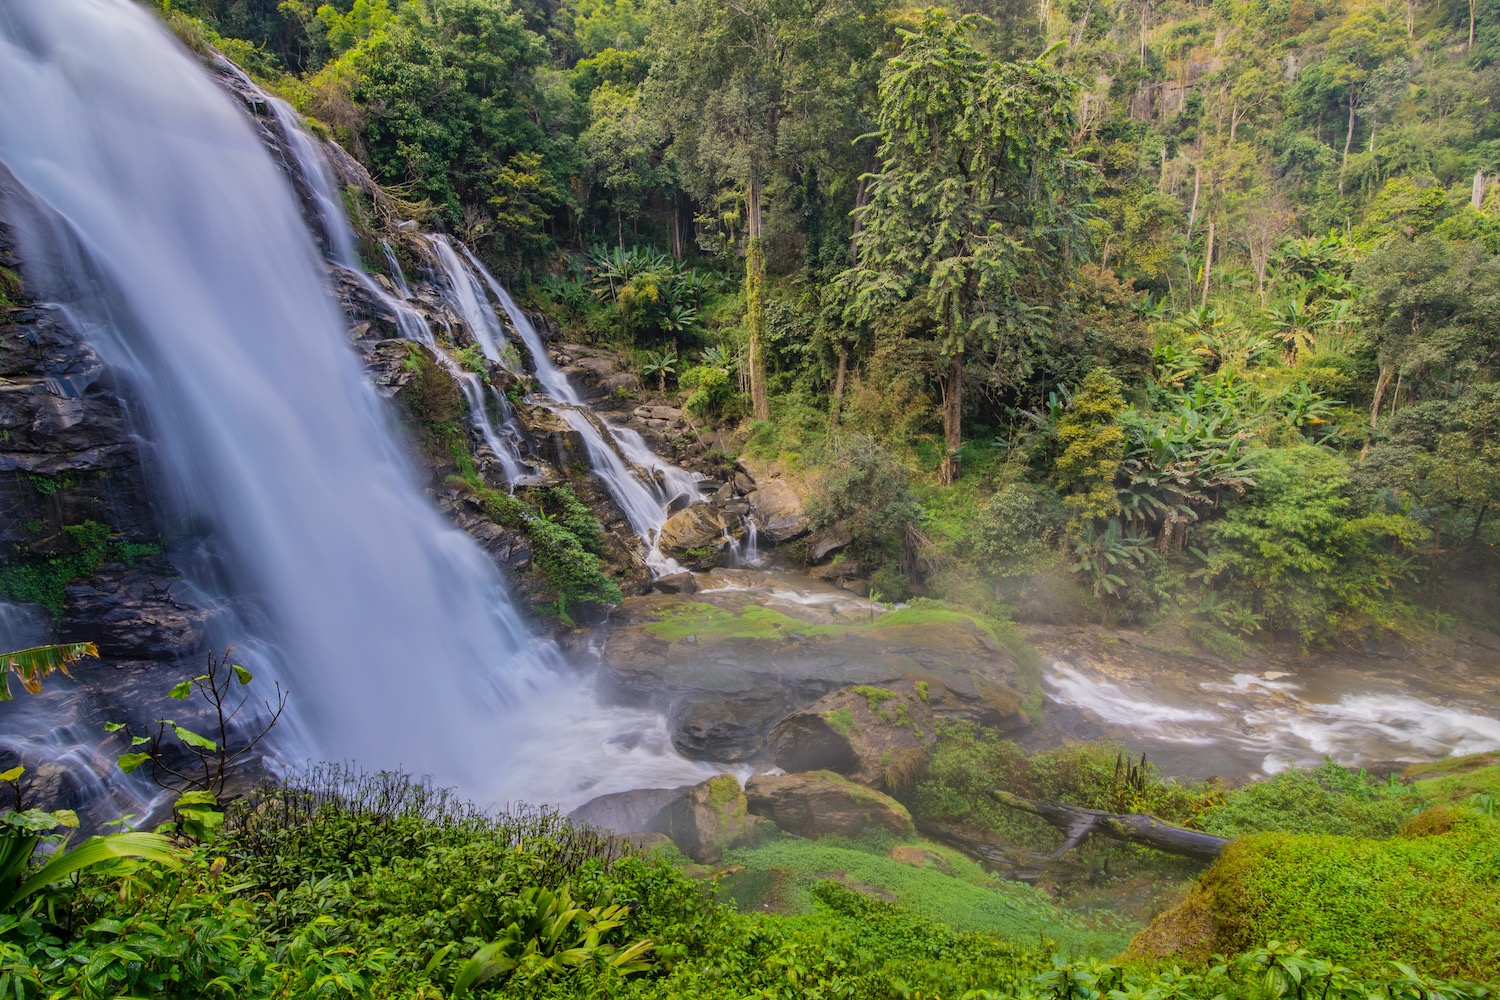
x=31, y=665
x=96, y=850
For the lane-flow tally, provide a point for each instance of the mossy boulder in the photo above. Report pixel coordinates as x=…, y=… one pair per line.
x=875, y=734
x=1430, y=901
x=822, y=804
x=710, y=818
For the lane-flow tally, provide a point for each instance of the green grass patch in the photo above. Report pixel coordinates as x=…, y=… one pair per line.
x=954, y=891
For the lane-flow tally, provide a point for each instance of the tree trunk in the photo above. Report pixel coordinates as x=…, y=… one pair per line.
x=953, y=408
x=1472, y=4
x=1382, y=380
x=838, y=386
x=1197, y=186
x=1348, y=142
x=1078, y=823
x=1208, y=261
x=755, y=278
x=861, y=199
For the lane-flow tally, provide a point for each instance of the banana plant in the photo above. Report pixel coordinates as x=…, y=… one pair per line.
x=23, y=831
x=31, y=665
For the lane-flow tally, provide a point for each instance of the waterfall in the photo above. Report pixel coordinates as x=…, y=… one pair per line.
x=154, y=215
x=641, y=483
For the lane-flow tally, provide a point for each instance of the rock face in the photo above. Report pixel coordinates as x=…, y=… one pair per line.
x=138, y=612
x=821, y=804
x=703, y=820
x=778, y=510
x=876, y=735
x=727, y=665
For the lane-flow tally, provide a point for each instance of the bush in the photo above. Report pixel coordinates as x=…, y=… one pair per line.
x=1331, y=799
x=708, y=390
x=867, y=491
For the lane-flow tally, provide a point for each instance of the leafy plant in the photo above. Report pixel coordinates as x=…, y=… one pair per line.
x=31, y=665
x=212, y=761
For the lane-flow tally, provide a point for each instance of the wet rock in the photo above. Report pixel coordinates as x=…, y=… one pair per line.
x=876, y=735
x=821, y=804
x=139, y=612
x=675, y=583
x=778, y=508
x=709, y=728
x=751, y=655
x=828, y=541
x=709, y=819
x=68, y=447
x=628, y=812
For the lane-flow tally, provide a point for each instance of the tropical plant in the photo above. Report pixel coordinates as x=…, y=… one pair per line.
x=661, y=364
x=541, y=931
x=1097, y=555
x=31, y=665
x=211, y=761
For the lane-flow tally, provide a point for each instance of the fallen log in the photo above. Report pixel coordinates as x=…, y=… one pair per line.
x=1078, y=823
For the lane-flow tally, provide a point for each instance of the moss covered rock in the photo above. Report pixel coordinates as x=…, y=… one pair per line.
x=821, y=804
x=1430, y=901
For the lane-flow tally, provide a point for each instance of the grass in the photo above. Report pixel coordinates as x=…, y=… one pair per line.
x=946, y=887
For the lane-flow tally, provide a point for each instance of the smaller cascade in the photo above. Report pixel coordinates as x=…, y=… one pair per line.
x=643, y=485
x=398, y=276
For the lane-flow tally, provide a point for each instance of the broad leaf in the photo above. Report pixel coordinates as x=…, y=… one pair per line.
x=180, y=691
x=242, y=675
x=192, y=739
x=130, y=761
x=31, y=665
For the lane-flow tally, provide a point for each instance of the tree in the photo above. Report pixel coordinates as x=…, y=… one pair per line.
x=1093, y=445
x=746, y=84
x=976, y=211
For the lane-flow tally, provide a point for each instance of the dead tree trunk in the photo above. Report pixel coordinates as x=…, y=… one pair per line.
x=1078, y=823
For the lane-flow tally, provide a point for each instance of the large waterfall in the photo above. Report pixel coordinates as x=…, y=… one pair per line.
x=155, y=217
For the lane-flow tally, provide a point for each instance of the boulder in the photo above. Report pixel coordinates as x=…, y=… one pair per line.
x=627, y=812
x=877, y=735
x=778, y=508
x=675, y=583
x=709, y=819
x=822, y=804
x=828, y=541
x=695, y=527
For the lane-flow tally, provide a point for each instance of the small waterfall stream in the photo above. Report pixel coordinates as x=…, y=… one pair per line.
x=148, y=208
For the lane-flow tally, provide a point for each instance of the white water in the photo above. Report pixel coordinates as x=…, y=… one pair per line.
x=159, y=220
x=1268, y=722
x=642, y=484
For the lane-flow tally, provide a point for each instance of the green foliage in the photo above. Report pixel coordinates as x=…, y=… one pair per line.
x=1329, y=800
x=1429, y=901
x=709, y=389
x=953, y=891
x=45, y=580
x=1092, y=445
x=566, y=539
x=1305, y=550
x=867, y=492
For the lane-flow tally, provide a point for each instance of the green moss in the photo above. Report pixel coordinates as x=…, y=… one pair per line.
x=724, y=794
x=1455, y=780
x=922, y=690
x=842, y=721
x=45, y=581
x=11, y=286
x=874, y=696
x=964, y=897
x=711, y=623
x=1432, y=902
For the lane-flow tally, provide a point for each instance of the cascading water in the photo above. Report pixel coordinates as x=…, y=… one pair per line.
x=144, y=203
x=641, y=483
